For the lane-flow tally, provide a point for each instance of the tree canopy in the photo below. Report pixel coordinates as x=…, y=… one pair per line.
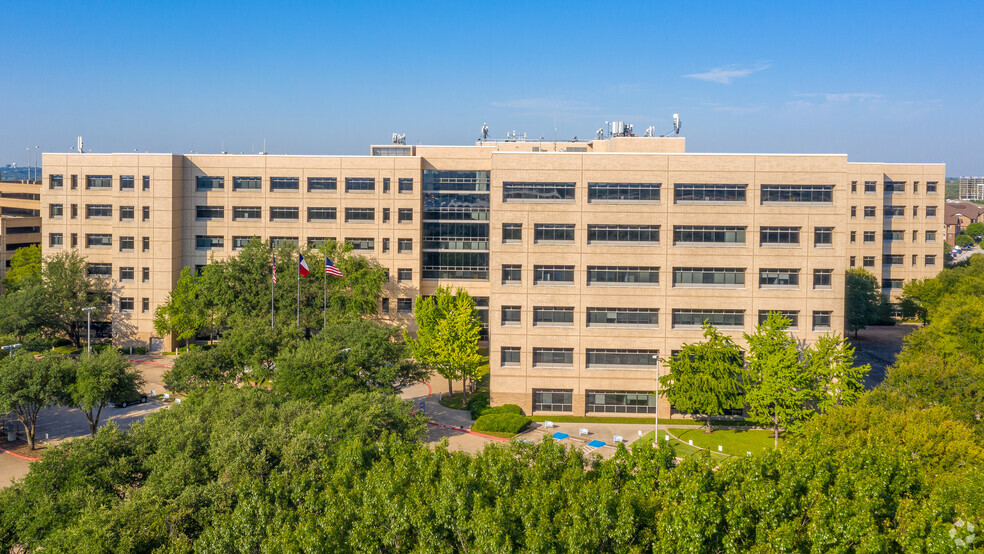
x=863, y=300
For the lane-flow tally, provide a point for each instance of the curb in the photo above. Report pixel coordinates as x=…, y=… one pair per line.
x=19, y=456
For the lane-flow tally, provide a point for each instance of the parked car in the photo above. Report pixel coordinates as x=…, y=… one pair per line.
x=136, y=397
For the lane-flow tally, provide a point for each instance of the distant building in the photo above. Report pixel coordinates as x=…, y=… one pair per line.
x=972, y=188
x=957, y=215
x=20, y=218
x=590, y=261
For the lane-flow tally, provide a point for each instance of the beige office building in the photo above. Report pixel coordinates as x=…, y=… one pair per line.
x=20, y=219
x=590, y=260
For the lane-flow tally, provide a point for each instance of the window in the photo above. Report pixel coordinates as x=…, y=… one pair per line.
x=891, y=235
x=915, y=187
x=510, y=356
x=648, y=234
x=893, y=259
x=717, y=318
x=870, y=187
x=384, y=305
x=553, y=274
x=126, y=244
x=930, y=236
x=869, y=237
x=404, y=215
x=643, y=317
x=894, y=186
x=698, y=192
x=98, y=182
x=102, y=271
x=549, y=232
x=526, y=191
x=245, y=213
x=620, y=402
x=56, y=240
x=915, y=211
x=930, y=211
x=854, y=261
x=869, y=212
x=386, y=245
x=278, y=241
x=553, y=400
x=854, y=187
x=55, y=182
x=404, y=305
x=511, y=315
x=362, y=244
x=783, y=194
x=146, y=182
x=823, y=236
x=126, y=274
x=75, y=240
x=360, y=214
x=98, y=211
x=894, y=211
x=145, y=244
x=556, y=357
x=386, y=215
x=144, y=305
x=386, y=185
x=208, y=212
x=360, y=184
x=145, y=213
x=930, y=187
x=283, y=213
x=512, y=232
x=915, y=258
x=126, y=182
x=126, y=304
x=779, y=278
x=778, y=236
x=892, y=284
x=930, y=259
x=403, y=275
x=406, y=186
x=623, y=192
x=208, y=242
x=55, y=211
x=821, y=321
x=240, y=242
x=75, y=182
x=75, y=211
x=552, y=315
x=285, y=183
x=322, y=184
x=854, y=212
x=822, y=278
x=206, y=183
x=854, y=237
x=693, y=235
x=126, y=213
x=915, y=235
x=512, y=274
x=321, y=214
x=868, y=261
x=98, y=240
x=318, y=242
x=637, y=275
x=404, y=245
x=611, y=357
x=247, y=183
x=709, y=276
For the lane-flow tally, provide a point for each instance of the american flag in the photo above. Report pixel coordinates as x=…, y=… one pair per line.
x=330, y=269
x=274, y=269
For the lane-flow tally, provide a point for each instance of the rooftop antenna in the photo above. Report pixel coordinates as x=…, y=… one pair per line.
x=676, y=124
x=80, y=144
x=485, y=131
x=263, y=153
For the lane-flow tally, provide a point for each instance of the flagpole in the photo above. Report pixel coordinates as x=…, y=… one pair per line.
x=273, y=282
x=298, y=284
x=324, y=311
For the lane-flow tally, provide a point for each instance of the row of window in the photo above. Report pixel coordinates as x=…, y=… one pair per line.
x=513, y=191
x=595, y=401
x=636, y=317
x=648, y=275
x=288, y=213
x=929, y=260
x=97, y=182
x=99, y=240
x=209, y=242
x=892, y=211
x=891, y=187
x=99, y=211
x=682, y=234
x=891, y=235
x=314, y=184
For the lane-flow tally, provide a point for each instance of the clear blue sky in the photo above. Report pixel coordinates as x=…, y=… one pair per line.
x=879, y=81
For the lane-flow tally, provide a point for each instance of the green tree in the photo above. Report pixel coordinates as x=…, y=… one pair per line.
x=69, y=290
x=25, y=265
x=964, y=240
x=705, y=377
x=862, y=300
x=448, y=331
x=26, y=311
x=28, y=385
x=836, y=380
x=181, y=315
x=99, y=378
x=776, y=383
x=975, y=229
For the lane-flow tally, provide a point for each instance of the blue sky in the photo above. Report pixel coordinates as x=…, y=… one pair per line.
x=879, y=81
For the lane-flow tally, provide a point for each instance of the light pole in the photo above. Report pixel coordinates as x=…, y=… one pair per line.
x=656, y=437
x=88, y=328
x=11, y=348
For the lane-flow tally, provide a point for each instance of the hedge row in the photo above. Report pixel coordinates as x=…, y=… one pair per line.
x=501, y=423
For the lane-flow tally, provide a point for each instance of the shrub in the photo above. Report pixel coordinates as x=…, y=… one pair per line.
x=501, y=423
x=478, y=402
x=504, y=409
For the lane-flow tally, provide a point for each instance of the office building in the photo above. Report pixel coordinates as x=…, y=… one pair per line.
x=590, y=260
x=972, y=189
x=20, y=218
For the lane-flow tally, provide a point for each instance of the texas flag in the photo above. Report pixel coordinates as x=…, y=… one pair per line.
x=302, y=266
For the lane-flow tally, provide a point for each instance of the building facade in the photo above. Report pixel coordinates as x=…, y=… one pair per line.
x=958, y=215
x=590, y=261
x=20, y=218
x=972, y=189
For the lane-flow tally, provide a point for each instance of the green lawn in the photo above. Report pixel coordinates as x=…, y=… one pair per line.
x=633, y=420
x=735, y=443
x=682, y=449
